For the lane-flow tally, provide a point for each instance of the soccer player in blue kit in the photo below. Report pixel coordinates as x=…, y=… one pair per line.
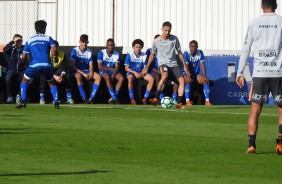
x=108, y=64
x=39, y=47
x=135, y=63
x=195, y=59
x=82, y=65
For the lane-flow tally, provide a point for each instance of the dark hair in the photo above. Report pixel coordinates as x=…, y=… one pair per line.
x=167, y=24
x=110, y=40
x=269, y=4
x=193, y=41
x=156, y=36
x=40, y=26
x=138, y=41
x=83, y=37
x=18, y=35
x=56, y=43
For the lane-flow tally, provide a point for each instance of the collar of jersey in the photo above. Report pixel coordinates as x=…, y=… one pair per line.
x=268, y=14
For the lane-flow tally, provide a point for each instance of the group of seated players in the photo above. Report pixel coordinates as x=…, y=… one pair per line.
x=80, y=66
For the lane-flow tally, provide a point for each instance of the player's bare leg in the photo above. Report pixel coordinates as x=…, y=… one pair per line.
x=180, y=93
x=149, y=87
x=164, y=77
x=203, y=81
x=253, y=126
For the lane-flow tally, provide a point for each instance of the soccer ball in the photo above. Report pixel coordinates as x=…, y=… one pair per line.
x=166, y=102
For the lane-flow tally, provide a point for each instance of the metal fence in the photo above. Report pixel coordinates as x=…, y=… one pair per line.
x=17, y=16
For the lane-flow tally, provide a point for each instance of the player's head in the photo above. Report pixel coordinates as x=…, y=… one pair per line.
x=137, y=46
x=40, y=26
x=193, y=46
x=18, y=40
x=56, y=43
x=83, y=42
x=166, y=29
x=110, y=44
x=269, y=4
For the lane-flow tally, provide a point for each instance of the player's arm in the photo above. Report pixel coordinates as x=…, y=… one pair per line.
x=116, y=69
x=91, y=70
x=203, y=67
x=72, y=63
x=245, y=52
x=150, y=60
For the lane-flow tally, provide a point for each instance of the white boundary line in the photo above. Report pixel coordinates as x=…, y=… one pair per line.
x=161, y=109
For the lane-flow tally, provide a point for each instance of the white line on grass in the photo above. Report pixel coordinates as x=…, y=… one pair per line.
x=161, y=109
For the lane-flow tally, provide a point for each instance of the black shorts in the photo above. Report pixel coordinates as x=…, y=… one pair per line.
x=174, y=73
x=262, y=87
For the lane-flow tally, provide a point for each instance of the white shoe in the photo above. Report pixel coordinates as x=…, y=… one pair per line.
x=70, y=101
x=42, y=102
x=18, y=99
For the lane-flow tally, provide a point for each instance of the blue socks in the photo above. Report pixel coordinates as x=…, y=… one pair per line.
x=68, y=94
x=23, y=91
x=94, y=90
x=161, y=95
x=187, y=91
x=174, y=97
x=112, y=93
x=82, y=92
x=54, y=92
x=207, y=91
x=147, y=94
x=131, y=94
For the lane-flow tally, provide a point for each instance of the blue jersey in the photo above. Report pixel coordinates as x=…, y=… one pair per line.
x=82, y=59
x=39, y=46
x=154, y=64
x=136, y=63
x=194, y=61
x=106, y=60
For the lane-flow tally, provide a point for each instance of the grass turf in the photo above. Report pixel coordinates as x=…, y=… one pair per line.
x=135, y=144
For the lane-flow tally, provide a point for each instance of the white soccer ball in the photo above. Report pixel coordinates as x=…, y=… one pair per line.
x=166, y=102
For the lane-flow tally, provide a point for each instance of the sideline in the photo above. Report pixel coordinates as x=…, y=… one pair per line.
x=188, y=110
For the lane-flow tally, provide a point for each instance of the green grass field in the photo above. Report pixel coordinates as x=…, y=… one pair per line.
x=135, y=144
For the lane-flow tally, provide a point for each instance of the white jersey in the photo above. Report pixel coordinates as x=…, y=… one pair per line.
x=265, y=35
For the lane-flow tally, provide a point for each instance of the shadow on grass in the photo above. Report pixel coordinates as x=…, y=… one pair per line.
x=18, y=131
x=55, y=173
x=12, y=115
x=15, y=133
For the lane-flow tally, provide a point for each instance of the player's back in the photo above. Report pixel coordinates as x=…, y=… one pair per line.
x=266, y=31
x=39, y=46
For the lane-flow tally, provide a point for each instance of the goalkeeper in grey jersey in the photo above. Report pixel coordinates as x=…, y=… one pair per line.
x=264, y=34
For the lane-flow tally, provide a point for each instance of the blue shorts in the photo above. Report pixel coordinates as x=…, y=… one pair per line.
x=106, y=71
x=46, y=71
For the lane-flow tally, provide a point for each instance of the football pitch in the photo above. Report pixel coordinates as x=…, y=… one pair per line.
x=135, y=144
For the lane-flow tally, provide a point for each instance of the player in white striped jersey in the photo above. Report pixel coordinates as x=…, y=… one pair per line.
x=108, y=64
x=82, y=64
x=135, y=64
x=264, y=34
